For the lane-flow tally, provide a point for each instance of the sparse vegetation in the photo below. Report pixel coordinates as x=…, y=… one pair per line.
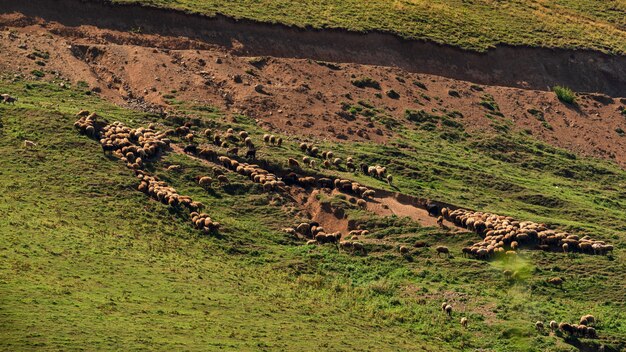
x=564, y=94
x=366, y=82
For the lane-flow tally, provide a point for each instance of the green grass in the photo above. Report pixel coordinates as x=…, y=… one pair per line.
x=90, y=263
x=470, y=24
x=564, y=94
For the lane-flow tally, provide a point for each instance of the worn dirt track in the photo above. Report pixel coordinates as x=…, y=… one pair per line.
x=524, y=67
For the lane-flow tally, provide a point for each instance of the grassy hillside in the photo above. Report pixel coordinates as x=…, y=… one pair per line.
x=91, y=263
x=474, y=24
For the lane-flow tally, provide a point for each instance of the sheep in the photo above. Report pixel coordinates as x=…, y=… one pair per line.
x=464, y=322
x=361, y=203
x=389, y=179
x=7, y=99
x=514, y=245
x=251, y=154
x=303, y=146
x=232, y=151
x=442, y=250
x=311, y=242
x=223, y=179
x=443, y=306
x=266, y=138
x=440, y=221
x=29, y=144
x=205, y=181
x=190, y=149
x=539, y=326
x=566, y=328
x=556, y=281
x=448, y=310
x=565, y=247
x=293, y=163
x=358, y=247
x=279, y=141
x=272, y=140
x=404, y=249
x=337, y=162
x=174, y=168
x=589, y=318
x=243, y=135
x=554, y=325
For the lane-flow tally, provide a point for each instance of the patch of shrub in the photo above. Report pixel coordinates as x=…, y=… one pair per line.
x=393, y=94
x=620, y=132
x=419, y=116
x=420, y=85
x=564, y=94
x=366, y=82
x=38, y=73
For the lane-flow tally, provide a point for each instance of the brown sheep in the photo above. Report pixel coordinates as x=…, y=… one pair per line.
x=404, y=249
x=556, y=281
x=361, y=203
x=223, y=179
x=589, y=318
x=442, y=250
x=539, y=326
x=554, y=326
x=464, y=322
x=205, y=181
x=293, y=163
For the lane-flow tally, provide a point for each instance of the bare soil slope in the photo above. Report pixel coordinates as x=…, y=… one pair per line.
x=297, y=96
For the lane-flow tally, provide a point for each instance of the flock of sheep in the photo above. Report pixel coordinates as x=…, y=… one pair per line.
x=134, y=147
x=503, y=232
x=316, y=235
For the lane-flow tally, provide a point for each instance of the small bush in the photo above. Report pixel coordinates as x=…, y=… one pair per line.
x=38, y=73
x=620, y=132
x=420, y=85
x=564, y=94
x=366, y=82
x=393, y=94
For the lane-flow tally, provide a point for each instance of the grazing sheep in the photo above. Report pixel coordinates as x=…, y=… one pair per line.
x=266, y=138
x=389, y=179
x=232, y=151
x=174, y=168
x=205, y=181
x=251, y=154
x=554, y=325
x=443, y=306
x=566, y=328
x=448, y=310
x=337, y=162
x=464, y=322
x=565, y=247
x=539, y=326
x=311, y=242
x=589, y=318
x=440, y=221
x=507, y=274
x=442, y=250
x=404, y=249
x=223, y=179
x=279, y=141
x=293, y=163
x=361, y=203
x=272, y=140
x=190, y=149
x=29, y=144
x=556, y=281
x=7, y=99
x=303, y=146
